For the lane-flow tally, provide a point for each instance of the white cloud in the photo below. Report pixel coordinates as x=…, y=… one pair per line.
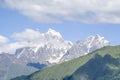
x=27, y=35
x=3, y=40
x=11, y=48
x=26, y=38
x=105, y=11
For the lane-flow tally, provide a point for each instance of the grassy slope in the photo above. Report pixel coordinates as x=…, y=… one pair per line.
x=98, y=68
x=58, y=72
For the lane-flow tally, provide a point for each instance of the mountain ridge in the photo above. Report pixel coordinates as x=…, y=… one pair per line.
x=49, y=50
x=98, y=68
x=60, y=71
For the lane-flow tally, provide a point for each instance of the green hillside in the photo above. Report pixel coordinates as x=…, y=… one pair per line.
x=98, y=68
x=60, y=71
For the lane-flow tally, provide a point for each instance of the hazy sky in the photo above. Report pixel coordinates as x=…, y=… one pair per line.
x=76, y=22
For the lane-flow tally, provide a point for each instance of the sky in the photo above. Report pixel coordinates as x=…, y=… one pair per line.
x=74, y=19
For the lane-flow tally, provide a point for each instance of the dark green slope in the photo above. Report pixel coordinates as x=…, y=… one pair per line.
x=60, y=71
x=98, y=68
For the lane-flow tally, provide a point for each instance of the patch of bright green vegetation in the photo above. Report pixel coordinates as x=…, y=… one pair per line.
x=113, y=67
x=114, y=51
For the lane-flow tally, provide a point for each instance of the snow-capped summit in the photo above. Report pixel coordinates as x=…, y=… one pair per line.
x=49, y=49
x=56, y=49
x=84, y=47
x=97, y=41
x=53, y=33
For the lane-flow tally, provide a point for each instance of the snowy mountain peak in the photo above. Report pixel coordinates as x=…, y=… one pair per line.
x=50, y=47
x=53, y=33
x=98, y=38
x=95, y=37
x=84, y=47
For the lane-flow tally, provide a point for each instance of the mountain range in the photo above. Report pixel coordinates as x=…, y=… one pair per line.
x=51, y=49
x=101, y=64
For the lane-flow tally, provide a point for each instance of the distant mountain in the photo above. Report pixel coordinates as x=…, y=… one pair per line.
x=81, y=48
x=101, y=62
x=51, y=49
x=56, y=50
x=10, y=67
